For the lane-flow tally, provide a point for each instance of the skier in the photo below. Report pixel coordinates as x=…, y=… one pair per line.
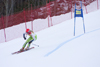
x=32, y=37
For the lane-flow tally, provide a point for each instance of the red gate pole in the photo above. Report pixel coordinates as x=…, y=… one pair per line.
x=47, y=13
x=85, y=7
x=31, y=17
x=24, y=18
x=48, y=21
x=4, y=28
x=55, y=7
x=50, y=13
x=97, y=5
x=71, y=8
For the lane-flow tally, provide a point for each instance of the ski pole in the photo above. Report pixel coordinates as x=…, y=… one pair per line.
x=36, y=45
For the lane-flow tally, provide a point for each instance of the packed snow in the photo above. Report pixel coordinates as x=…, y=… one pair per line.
x=58, y=47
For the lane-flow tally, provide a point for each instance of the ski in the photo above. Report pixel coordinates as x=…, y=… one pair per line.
x=17, y=52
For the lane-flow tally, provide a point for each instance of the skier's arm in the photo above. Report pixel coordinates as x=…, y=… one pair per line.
x=24, y=36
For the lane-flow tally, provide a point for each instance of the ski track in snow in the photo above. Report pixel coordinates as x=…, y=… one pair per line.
x=60, y=45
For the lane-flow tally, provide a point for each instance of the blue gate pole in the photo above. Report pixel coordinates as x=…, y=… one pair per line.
x=74, y=25
x=82, y=17
x=74, y=18
x=83, y=25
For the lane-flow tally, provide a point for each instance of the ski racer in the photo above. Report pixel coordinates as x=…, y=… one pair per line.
x=32, y=37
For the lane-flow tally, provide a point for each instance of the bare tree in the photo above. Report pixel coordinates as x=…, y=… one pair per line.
x=9, y=7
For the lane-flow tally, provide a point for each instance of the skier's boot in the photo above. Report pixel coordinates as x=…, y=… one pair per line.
x=22, y=49
x=27, y=48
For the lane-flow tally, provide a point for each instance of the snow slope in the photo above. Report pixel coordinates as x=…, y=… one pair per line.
x=58, y=47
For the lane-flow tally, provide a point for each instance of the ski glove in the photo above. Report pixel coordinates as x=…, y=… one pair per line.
x=24, y=36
